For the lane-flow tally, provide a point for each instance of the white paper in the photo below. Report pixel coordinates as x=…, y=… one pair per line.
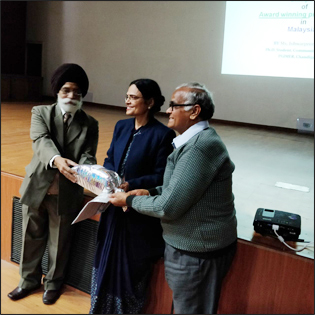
x=97, y=205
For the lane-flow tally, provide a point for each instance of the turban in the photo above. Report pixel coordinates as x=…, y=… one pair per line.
x=69, y=72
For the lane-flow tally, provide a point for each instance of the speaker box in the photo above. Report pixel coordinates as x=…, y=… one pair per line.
x=82, y=249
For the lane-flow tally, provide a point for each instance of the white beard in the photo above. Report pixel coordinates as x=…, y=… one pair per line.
x=69, y=105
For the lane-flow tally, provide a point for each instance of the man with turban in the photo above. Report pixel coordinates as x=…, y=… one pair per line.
x=63, y=136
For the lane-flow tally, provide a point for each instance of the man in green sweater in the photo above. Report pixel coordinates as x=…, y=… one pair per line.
x=195, y=204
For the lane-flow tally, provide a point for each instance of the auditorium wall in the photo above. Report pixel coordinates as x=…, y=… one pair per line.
x=171, y=42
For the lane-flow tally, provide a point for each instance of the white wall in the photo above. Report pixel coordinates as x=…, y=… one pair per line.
x=172, y=42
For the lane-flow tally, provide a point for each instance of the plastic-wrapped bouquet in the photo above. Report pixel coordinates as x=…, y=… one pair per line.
x=97, y=178
x=101, y=182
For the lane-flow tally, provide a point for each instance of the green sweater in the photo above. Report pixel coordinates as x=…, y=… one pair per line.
x=195, y=203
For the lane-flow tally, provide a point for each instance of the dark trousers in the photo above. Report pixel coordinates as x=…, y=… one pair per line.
x=43, y=227
x=196, y=282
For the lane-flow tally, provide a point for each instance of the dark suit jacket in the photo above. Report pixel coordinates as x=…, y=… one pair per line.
x=147, y=158
x=47, y=134
x=144, y=169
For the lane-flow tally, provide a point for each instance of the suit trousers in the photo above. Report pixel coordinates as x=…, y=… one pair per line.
x=44, y=227
x=195, y=282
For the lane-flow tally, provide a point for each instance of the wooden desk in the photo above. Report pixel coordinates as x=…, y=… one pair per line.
x=265, y=278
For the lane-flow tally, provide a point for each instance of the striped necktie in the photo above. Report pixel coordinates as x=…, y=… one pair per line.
x=66, y=117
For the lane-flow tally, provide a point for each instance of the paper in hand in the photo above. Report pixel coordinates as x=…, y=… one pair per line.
x=101, y=182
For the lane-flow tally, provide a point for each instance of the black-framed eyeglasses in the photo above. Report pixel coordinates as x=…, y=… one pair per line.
x=132, y=97
x=66, y=91
x=172, y=105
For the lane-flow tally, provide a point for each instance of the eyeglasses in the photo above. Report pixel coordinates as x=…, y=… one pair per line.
x=132, y=97
x=172, y=105
x=66, y=91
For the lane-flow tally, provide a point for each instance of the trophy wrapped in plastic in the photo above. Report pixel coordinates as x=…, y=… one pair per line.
x=99, y=181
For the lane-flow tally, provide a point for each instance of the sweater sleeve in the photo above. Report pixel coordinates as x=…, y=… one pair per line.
x=193, y=172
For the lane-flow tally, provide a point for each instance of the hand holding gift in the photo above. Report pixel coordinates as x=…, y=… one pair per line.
x=99, y=180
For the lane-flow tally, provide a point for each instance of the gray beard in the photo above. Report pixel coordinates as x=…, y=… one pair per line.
x=69, y=108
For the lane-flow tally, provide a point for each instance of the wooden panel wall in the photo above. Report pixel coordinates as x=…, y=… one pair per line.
x=262, y=280
x=10, y=185
x=21, y=88
x=268, y=281
x=13, y=36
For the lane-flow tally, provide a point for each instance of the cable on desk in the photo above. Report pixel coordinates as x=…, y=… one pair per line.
x=281, y=239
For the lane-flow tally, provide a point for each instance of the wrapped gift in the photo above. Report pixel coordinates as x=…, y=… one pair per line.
x=97, y=178
x=101, y=182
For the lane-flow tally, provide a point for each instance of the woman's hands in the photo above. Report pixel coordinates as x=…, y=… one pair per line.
x=124, y=186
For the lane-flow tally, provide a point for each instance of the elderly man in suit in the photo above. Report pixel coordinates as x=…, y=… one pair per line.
x=63, y=136
x=195, y=204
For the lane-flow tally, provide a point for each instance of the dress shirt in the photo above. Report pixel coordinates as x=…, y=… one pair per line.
x=189, y=133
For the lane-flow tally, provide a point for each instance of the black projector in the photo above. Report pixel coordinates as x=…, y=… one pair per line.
x=289, y=223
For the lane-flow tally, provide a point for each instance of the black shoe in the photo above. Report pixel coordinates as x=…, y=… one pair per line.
x=51, y=296
x=19, y=293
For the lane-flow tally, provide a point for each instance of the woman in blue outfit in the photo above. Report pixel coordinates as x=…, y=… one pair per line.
x=128, y=243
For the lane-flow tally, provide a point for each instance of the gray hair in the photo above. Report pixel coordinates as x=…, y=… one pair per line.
x=199, y=94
